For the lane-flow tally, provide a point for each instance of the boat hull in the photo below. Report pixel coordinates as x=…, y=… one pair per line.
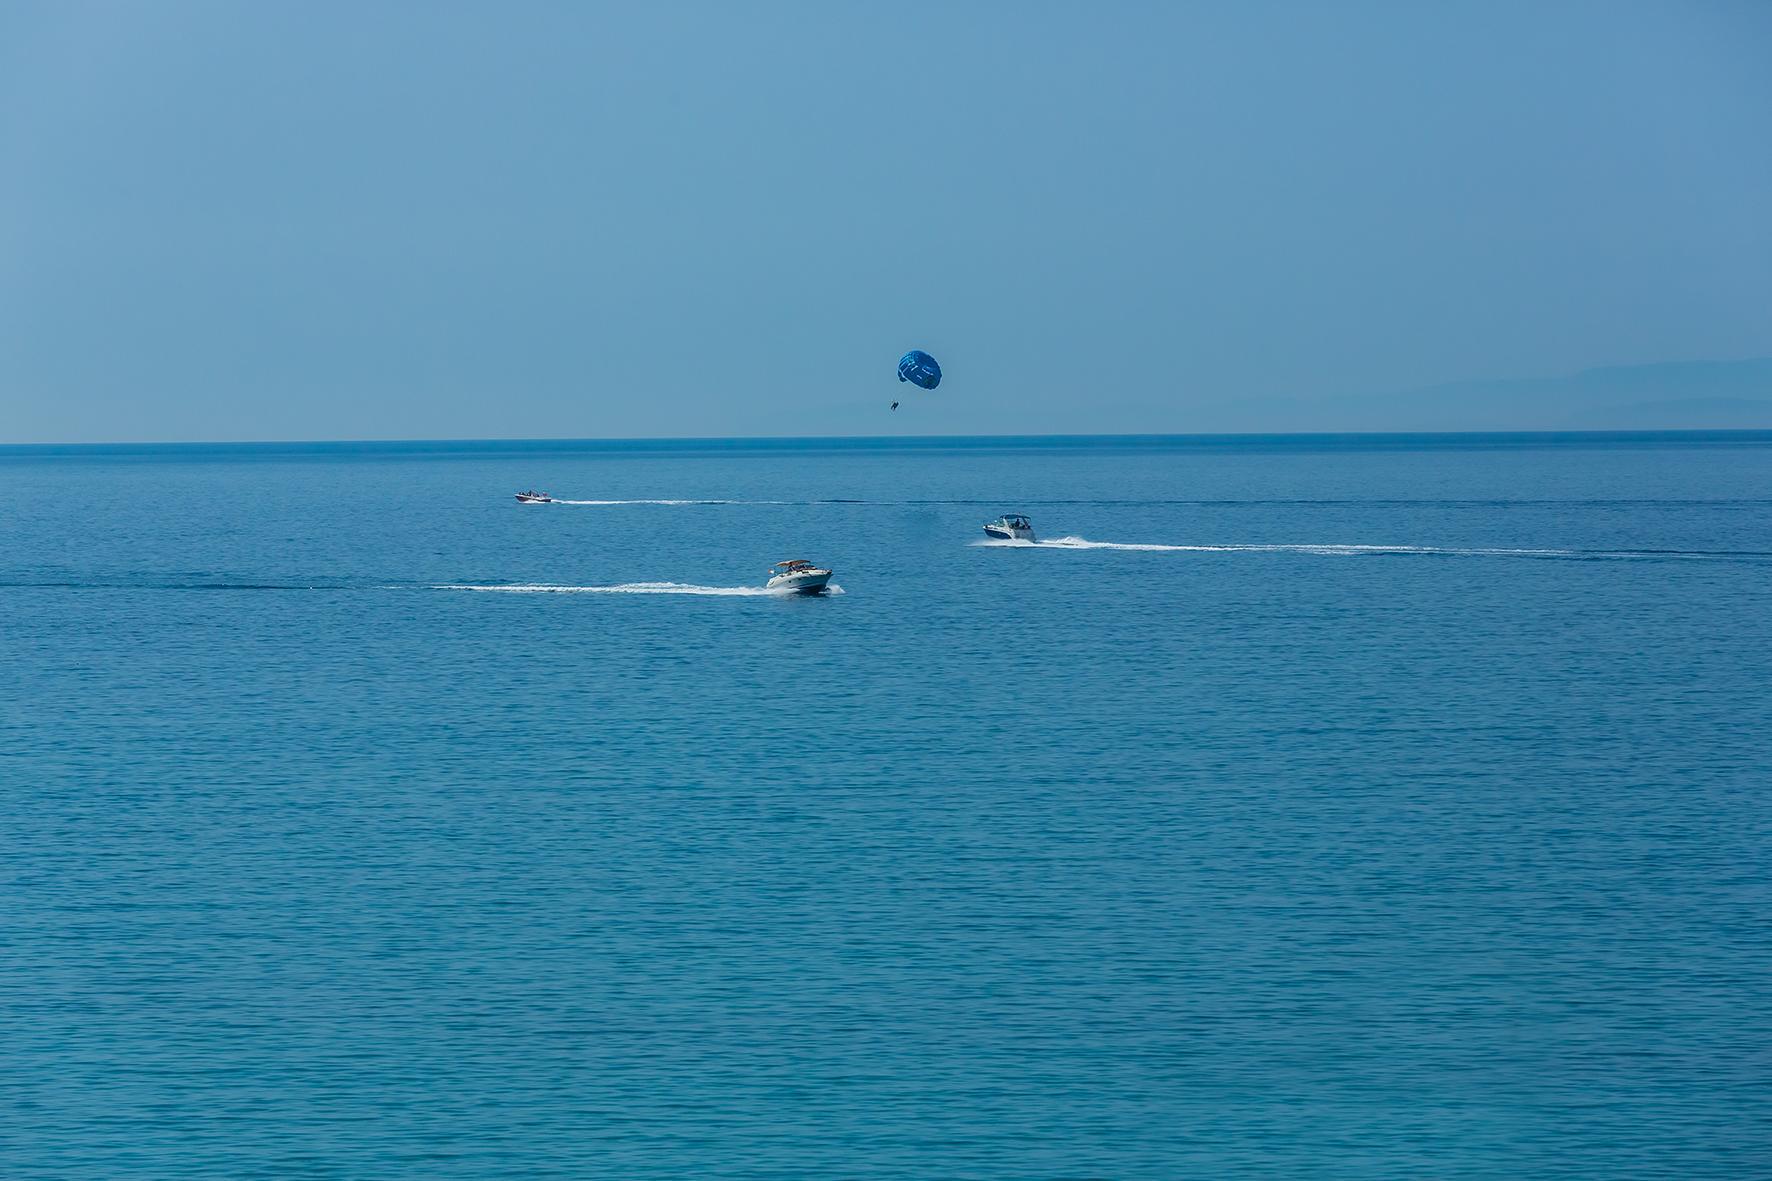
x=800, y=584
x=1002, y=534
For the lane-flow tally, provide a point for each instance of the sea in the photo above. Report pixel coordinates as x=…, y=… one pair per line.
x=1314, y=806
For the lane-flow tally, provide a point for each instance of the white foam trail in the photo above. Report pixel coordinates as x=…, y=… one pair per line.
x=1325, y=550
x=610, y=503
x=627, y=588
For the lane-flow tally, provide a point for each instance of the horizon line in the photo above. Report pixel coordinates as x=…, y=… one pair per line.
x=715, y=441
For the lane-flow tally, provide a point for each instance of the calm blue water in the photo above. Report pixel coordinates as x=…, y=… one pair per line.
x=1266, y=857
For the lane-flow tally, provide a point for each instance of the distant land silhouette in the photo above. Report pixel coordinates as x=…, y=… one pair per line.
x=1696, y=395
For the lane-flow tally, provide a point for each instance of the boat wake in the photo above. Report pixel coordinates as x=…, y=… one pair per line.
x=614, y=503
x=1356, y=551
x=628, y=588
x=1327, y=550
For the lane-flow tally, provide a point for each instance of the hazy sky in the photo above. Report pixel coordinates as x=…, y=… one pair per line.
x=365, y=220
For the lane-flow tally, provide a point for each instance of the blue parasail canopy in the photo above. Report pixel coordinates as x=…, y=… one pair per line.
x=919, y=368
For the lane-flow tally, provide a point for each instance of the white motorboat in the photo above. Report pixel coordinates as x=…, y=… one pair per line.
x=796, y=576
x=1010, y=527
x=534, y=497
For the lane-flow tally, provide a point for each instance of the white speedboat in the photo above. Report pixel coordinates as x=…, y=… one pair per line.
x=534, y=497
x=1010, y=527
x=796, y=576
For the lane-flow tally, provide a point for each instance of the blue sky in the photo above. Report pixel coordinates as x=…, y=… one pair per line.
x=316, y=220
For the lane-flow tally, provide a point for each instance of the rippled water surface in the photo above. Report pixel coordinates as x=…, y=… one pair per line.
x=1332, y=808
